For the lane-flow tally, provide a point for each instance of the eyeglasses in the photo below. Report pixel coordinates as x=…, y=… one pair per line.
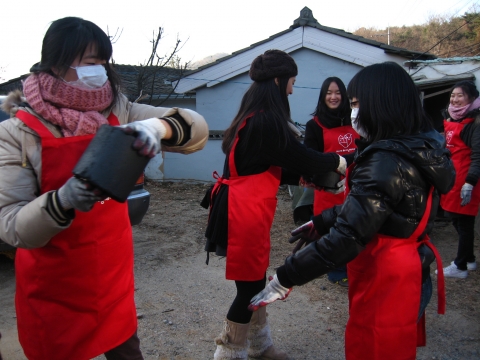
x=354, y=104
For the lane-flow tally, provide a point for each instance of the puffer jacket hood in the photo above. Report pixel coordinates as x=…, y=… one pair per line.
x=426, y=151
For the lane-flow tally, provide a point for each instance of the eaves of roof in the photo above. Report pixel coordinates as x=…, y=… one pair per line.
x=310, y=21
x=387, y=48
x=424, y=83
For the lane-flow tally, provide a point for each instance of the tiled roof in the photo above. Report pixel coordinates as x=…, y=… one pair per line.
x=131, y=81
x=12, y=84
x=137, y=78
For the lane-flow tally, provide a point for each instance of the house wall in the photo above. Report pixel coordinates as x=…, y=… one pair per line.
x=313, y=69
x=219, y=104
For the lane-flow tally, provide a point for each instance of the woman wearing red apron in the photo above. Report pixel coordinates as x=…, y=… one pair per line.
x=331, y=131
x=381, y=229
x=462, y=134
x=261, y=153
x=74, y=262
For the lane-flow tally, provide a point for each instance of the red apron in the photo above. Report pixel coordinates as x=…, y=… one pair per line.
x=340, y=140
x=384, y=297
x=461, y=160
x=74, y=296
x=252, y=200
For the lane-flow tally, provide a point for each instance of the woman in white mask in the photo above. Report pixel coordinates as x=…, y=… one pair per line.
x=74, y=262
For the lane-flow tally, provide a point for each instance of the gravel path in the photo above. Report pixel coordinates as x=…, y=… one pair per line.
x=182, y=302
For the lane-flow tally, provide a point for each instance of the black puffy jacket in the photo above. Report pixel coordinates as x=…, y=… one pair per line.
x=389, y=186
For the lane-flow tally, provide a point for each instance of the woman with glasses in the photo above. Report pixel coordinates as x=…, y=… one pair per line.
x=330, y=130
x=380, y=230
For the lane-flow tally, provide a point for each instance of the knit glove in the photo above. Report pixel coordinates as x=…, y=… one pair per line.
x=273, y=291
x=148, y=135
x=466, y=194
x=78, y=195
x=342, y=167
x=306, y=233
x=198, y=128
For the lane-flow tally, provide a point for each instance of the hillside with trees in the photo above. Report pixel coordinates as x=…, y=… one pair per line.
x=444, y=36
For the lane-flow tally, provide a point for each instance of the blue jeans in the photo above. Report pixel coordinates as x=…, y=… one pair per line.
x=425, y=296
x=337, y=274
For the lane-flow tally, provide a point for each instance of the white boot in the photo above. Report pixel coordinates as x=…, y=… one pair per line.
x=232, y=343
x=260, y=337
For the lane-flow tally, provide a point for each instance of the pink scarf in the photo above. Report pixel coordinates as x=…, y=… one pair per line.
x=459, y=112
x=73, y=109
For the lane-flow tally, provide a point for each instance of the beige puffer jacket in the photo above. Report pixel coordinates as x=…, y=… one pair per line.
x=24, y=221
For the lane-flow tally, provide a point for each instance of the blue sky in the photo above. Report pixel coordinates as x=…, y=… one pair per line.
x=207, y=27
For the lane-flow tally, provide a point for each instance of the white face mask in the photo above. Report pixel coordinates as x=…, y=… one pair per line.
x=355, y=126
x=90, y=77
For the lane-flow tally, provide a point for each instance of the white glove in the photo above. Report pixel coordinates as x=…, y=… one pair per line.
x=273, y=291
x=76, y=194
x=466, y=194
x=340, y=187
x=148, y=135
x=342, y=167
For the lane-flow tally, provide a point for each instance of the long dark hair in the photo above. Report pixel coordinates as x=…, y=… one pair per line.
x=343, y=110
x=68, y=38
x=389, y=102
x=267, y=100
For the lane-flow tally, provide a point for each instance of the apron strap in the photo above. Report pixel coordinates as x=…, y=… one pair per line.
x=440, y=277
x=440, y=280
x=317, y=120
x=41, y=129
x=231, y=155
x=34, y=123
x=113, y=119
x=423, y=223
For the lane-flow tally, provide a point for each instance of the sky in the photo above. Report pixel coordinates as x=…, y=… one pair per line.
x=205, y=27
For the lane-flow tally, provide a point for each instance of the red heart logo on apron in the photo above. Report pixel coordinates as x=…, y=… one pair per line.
x=345, y=140
x=449, y=136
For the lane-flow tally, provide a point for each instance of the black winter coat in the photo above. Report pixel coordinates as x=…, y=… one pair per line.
x=389, y=187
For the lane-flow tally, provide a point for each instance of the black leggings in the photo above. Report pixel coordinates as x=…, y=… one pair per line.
x=465, y=226
x=246, y=290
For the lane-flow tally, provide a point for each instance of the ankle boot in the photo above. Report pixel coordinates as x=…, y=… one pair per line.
x=261, y=344
x=232, y=343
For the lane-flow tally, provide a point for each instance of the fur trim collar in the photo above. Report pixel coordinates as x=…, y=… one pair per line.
x=13, y=102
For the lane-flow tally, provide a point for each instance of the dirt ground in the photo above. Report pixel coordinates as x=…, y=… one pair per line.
x=181, y=302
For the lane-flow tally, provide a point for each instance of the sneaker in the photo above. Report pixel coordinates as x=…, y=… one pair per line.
x=452, y=271
x=471, y=266
x=343, y=282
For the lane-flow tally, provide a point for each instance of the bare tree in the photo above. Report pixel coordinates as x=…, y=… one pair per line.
x=115, y=37
x=150, y=71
